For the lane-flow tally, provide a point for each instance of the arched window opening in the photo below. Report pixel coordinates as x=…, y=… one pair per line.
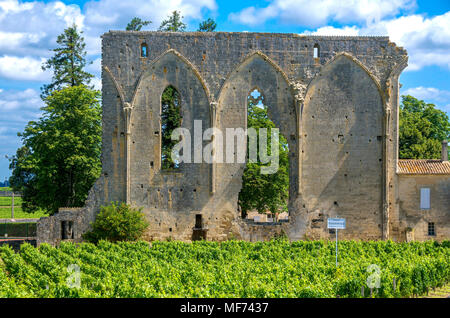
x=170, y=120
x=144, y=50
x=264, y=196
x=316, y=53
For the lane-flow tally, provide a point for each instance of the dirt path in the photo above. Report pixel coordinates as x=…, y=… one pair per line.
x=442, y=292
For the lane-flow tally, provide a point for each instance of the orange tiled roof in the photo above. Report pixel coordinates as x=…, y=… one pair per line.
x=423, y=166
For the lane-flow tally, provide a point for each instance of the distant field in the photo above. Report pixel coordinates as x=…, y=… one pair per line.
x=5, y=213
x=5, y=208
x=7, y=201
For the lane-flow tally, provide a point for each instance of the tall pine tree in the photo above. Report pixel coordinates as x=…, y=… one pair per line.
x=173, y=23
x=208, y=25
x=68, y=62
x=136, y=24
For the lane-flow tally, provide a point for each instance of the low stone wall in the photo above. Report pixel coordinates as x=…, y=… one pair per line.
x=16, y=243
x=71, y=223
x=262, y=231
x=66, y=224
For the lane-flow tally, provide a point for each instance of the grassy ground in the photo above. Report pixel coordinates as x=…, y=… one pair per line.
x=5, y=208
x=5, y=213
x=7, y=201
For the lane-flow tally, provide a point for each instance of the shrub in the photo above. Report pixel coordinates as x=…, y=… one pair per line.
x=117, y=222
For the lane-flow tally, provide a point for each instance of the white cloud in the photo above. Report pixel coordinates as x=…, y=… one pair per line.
x=329, y=30
x=97, y=82
x=19, y=102
x=319, y=12
x=117, y=13
x=428, y=93
x=441, y=98
x=28, y=30
x=95, y=67
x=9, y=6
x=252, y=16
x=17, y=108
x=31, y=28
x=23, y=68
x=427, y=40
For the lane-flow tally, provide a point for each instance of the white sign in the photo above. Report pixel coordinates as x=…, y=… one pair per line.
x=338, y=224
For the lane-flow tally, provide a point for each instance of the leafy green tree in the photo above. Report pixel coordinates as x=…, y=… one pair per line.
x=60, y=157
x=68, y=63
x=173, y=23
x=264, y=192
x=117, y=222
x=423, y=127
x=170, y=119
x=208, y=25
x=136, y=24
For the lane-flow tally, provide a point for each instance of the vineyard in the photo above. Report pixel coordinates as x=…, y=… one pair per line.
x=229, y=269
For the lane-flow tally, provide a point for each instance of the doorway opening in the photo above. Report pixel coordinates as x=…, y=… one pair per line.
x=199, y=231
x=67, y=230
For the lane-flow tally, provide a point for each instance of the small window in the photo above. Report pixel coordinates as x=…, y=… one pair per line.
x=425, y=198
x=431, y=229
x=144, y=50
x=316, y=53
x=67, y=230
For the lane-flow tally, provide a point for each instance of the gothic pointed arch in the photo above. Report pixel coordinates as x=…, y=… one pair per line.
x=247, y=58
x=350, y=57
x=170, y=69
x=257, y=71
x=343, y=124
x=176, y=55
x=116, y=85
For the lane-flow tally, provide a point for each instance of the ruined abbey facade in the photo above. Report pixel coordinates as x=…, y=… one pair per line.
x=334, y=99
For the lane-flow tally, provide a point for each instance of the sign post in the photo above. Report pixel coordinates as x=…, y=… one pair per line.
x=336, y=247
x=336, y=224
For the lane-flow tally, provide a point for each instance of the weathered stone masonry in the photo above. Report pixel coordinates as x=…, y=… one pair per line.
x=339, y=113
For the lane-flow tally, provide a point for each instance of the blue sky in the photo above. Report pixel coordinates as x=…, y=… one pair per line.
x=28, y=30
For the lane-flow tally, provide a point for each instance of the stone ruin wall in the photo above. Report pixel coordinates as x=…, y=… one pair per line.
x=339, y=113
